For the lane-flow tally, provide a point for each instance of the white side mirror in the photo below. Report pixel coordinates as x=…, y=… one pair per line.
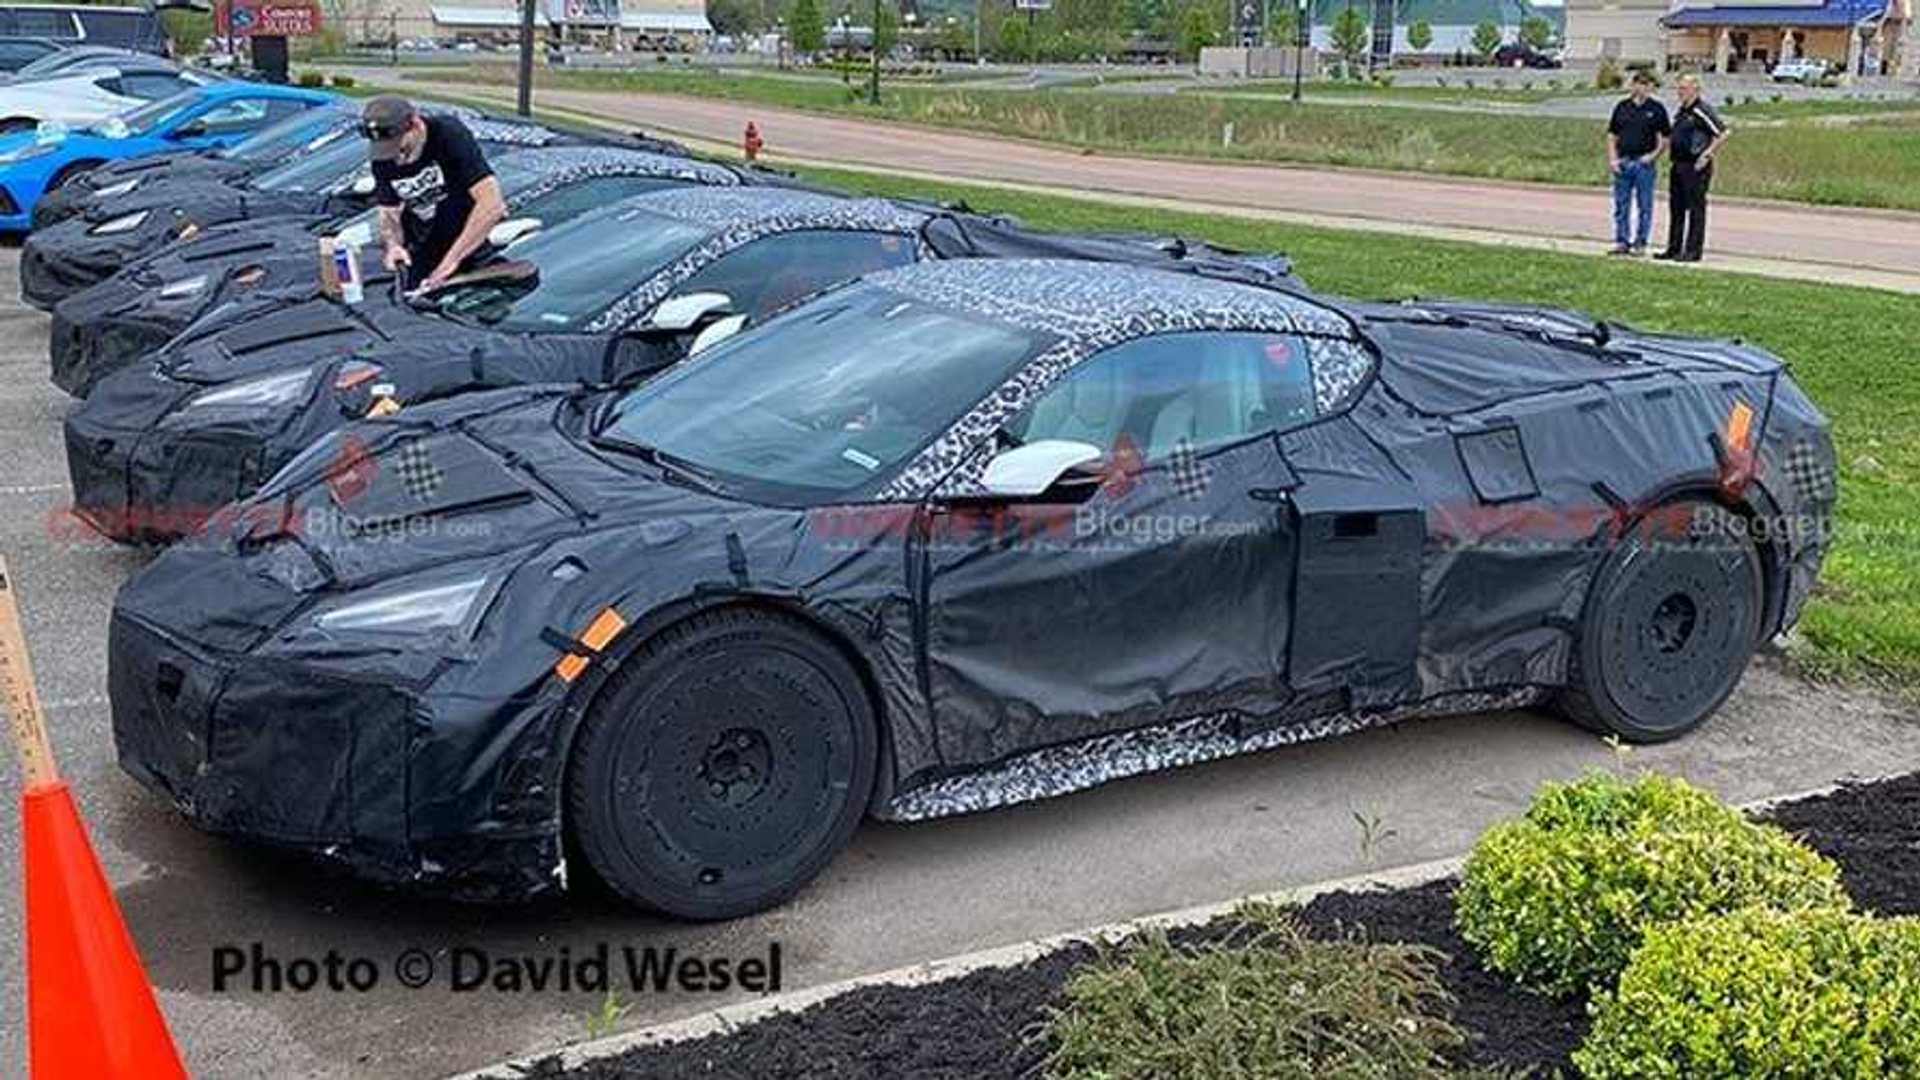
x=717, y=333
x=685, y=312
x=362, y=185
x=1031, y=469
x=512, y=229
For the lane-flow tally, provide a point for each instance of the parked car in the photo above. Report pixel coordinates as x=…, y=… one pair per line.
x=1805, y=69
x=18, y=52
x=1520, y=55
x=218, y=114
x=961, y=534
x=300, y=134
x=91, y=95
x=609, y=297
x=120, y=27
x=64, y=258
x=123, y=319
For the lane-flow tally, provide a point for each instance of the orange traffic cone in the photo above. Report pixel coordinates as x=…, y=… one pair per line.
x=90, y=1012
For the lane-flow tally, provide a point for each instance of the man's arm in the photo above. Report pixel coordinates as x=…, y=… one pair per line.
x=1613, y=152
x=489, y=206
x=393, y=238
x=1659, y=147
x=1720, y=128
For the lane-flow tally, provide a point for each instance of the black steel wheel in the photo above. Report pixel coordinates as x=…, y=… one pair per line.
x=1671, y=622
x=723, y=765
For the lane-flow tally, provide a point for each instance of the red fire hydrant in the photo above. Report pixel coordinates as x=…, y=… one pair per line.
x=752, y=143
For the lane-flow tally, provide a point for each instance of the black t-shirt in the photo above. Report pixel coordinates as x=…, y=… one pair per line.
x=437, y=186
x=1639, y=126
x=1695, y=127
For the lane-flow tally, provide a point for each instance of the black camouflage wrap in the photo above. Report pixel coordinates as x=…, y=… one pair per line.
x=1421, y=546
x=71, y=255
x=112, y=324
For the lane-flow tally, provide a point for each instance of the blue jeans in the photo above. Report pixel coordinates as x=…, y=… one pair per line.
x=1635, y=181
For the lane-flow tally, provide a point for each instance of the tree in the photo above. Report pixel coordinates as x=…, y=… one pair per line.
x=1011, y=39
x=1196, y=31
x=1486, y=39
x=730, y=16
x=807, y=28
x=1420, y=35
x=956, y=38
x=1351, y=37
x=886, y=29
x=1283, y=22
x=1536, y=32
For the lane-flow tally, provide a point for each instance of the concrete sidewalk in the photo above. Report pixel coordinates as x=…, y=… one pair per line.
x=1873, y=248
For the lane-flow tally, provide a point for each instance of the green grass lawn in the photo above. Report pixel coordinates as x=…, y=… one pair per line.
x=1868, y=164
x=1850, y=348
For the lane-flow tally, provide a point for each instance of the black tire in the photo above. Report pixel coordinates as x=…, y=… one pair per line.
x=724, y=764
x=1671, y=622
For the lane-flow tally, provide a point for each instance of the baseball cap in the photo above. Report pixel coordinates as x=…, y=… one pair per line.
x=384, y=120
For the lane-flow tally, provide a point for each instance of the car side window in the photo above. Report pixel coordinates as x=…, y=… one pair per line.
x=768, y=274
x=568, y=202
x=1200, y=388
x=152, y=86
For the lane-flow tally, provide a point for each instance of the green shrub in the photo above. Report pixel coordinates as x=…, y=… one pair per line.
x=312, y=79
x=1559, y=898
x=1760, y=994
x=1607, y=76
x=343, y=82
x=1270, y=1003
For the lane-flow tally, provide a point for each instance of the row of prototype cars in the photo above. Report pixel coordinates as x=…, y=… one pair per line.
x=713, y=512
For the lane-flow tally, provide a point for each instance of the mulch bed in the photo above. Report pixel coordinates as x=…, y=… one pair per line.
x=987, y=1023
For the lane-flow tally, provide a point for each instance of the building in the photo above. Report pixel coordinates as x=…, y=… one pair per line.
x=1453, y=23
x=1624, y=31
x=1860, y=37
x=617, y=23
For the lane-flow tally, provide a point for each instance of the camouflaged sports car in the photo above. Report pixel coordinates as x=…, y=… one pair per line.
x=957, y=535
x=609, y=297
x=138, y=310
x=70, y=255
x=300, y=134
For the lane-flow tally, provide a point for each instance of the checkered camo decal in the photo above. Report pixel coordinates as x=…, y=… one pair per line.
x=414, y=463
x=1092, y=307
x=1811, y=473
x=1189, y=475
x=739, y=227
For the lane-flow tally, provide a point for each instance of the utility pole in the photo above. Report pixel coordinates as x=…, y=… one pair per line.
x=873, y=78
x=1302, y=27
x=525, y=106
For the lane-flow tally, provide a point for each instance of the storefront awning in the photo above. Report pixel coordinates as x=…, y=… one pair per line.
x=1839, y=13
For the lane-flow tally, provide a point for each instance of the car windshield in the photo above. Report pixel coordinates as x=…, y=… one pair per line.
x=827, y=401
x=585, y=265
x=315, y=171
x=300, y=133
x=141, y=120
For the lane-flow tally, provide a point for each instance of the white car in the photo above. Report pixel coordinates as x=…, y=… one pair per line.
x=91, y=96
x=1803, y=70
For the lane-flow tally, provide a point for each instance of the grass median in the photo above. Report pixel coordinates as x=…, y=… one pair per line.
x=1868, y=163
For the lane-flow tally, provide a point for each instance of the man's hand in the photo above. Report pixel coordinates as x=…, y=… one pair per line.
x=1613, y=165
x=436, y=279
x=396, y=258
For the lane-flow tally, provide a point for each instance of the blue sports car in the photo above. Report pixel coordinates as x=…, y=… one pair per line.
x=35, y=162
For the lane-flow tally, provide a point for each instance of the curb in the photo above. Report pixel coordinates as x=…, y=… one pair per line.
x=729, y=1018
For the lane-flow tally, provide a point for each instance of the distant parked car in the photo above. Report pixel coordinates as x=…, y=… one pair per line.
x=1517, y=54
x=1805, y=69
x=122, y=27
x=89, y=97
x=18, y=52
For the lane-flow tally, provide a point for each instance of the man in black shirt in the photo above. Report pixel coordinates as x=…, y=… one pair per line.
x=1698, y=132
x=1636, y=136
x=414, y=156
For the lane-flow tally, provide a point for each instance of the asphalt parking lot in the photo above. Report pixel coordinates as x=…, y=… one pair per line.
x=900, y=895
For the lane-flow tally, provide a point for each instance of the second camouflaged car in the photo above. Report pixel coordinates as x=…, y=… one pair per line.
x=957, y=535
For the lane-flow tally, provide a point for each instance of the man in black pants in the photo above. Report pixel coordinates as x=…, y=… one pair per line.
x=414, y=156
x=1698, y=132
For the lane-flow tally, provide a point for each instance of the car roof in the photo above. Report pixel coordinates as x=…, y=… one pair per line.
x=550, y=166
x=1086, y=300
x=778, y=209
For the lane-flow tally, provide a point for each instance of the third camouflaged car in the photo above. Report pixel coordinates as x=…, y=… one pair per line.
x=613, y=295
x=958, y=535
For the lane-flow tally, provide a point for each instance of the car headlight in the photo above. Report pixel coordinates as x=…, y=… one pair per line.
x=185, y=287
x=123, y=223
x=114, y=191
x=113, y=128
x=439, y=607
x=276, y=389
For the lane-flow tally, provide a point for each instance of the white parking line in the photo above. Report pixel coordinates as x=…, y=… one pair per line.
x=75, y=702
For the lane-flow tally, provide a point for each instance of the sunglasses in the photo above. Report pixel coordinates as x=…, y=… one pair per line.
x=379, y=132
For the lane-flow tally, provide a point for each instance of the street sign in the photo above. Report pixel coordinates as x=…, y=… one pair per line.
x=1033, y=5
x=268, y=18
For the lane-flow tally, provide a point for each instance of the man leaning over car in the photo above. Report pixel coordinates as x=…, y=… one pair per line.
x=414, y=156
x=1636, y=135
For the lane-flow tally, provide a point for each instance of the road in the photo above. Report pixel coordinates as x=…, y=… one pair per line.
x=1877, y=248
x=900, y=895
